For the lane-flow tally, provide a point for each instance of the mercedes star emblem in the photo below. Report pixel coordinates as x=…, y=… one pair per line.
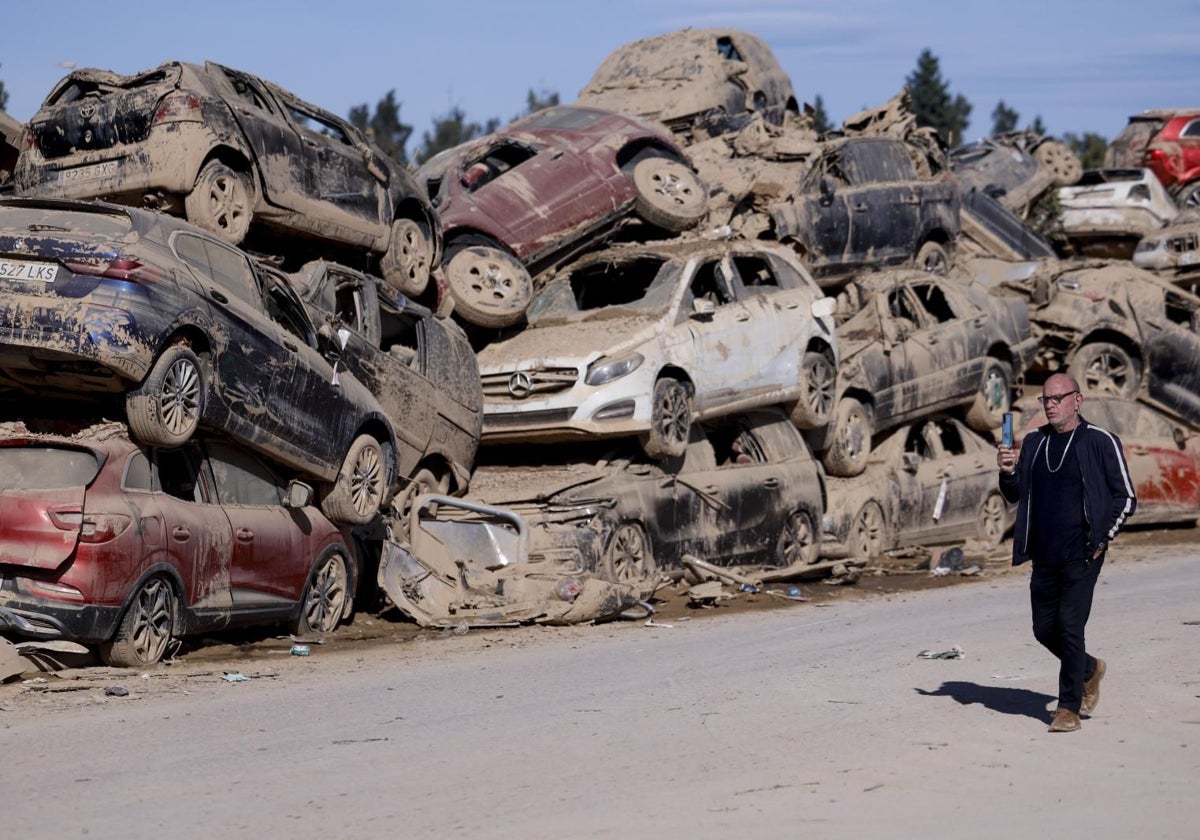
x=520, y=385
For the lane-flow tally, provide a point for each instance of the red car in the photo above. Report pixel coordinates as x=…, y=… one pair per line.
x=1167, y=142
x=108, y=543
x=524, y=199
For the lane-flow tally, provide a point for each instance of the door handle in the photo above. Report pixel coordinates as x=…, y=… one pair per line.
x=933, y=339
x=180, y=533
x=556, y=155
x=291, y=345
x=860, y=208
x=217, y=296
x=743, y=316
x=312, y=144
x=771, y=484
x=244, y=535
x=712, y=490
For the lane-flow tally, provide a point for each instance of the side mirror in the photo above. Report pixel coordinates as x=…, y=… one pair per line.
x=377, y=172
x=910, y=462
x=299, y=495
x=824, y=307
x=703, y=308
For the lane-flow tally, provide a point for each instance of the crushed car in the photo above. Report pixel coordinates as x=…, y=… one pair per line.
x=235, y=154
x=914, y=345
x=698, y=82
x=989, y=229
x=108, y=301
x=1108, y=211
x=11, y=131
x=929, y=482
x=641, y=340
x=1016, y=168
x=131, y=548
x=1173, y=251
x=529, y=197
x=1166, y=141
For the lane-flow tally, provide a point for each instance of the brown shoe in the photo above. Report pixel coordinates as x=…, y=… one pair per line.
x=1091, y=689
x=1064, y=720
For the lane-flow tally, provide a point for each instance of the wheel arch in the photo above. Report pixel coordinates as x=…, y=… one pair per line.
x=634, y=152
x=413, y=208
x=237, y=160
x=183, y=618
x=1111, y=336
x=679, y=374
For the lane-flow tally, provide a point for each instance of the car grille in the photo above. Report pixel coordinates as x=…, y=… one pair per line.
x=1182, y=244
x=520, y=385
x=522, y=418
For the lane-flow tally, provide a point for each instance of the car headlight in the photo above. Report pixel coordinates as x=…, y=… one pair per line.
x=599, y=373
x=1147, y=245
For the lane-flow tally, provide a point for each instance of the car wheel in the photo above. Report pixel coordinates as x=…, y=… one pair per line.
x=818, y=383
x=221, y=201
x=360, y=486
x=870, y=534
x=627, y=557
x=670, y=420
x=932, y=257
x=989, y=524
x=1106, y=368
x=419, y=485
x=405, y=264
x=1062, y=163
x=146, y=628
x=1189, y=197
x=325, y=598
x=798, y=543
x=993, y=398
x=165, y=409
x=669, y=194
x=489, y=285
x=851, y=444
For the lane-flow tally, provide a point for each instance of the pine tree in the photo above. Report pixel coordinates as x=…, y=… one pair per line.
x=3, y=97
x=819, y=116
x=932, y=103
x=537, y=101
x=1090, y=148
x=452, y=130
x=389, y=133
x=1037, y=125
x=1004, y=119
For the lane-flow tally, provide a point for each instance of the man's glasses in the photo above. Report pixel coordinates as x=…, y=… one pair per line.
x=1055, y=399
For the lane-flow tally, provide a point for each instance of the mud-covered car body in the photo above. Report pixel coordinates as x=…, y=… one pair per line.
x=419, y=365
x=730, y=321
x=864, y=203
x=10, y=148
x=929, y=482
x=1016, y=167
x=94, y=294
x=94, y=521
x=146, y=138
x=1163, y=457
x=990, y=229
x=696, y=81
x=1173, y=250
x=732, y=497
x=1166, y=141
x=1107, y=211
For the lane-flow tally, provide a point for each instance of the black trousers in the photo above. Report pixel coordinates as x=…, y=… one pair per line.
x=1061, y=597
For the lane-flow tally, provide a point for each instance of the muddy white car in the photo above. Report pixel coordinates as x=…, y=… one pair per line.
x=1173, y=250
x=1108, y=211
x=644, y=340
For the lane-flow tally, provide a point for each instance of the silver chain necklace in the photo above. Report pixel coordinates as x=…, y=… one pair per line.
x=1064, y=455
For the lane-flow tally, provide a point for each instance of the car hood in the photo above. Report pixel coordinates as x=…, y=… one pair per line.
x=570, y=343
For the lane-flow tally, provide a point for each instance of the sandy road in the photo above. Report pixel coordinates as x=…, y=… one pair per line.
x=815, y=721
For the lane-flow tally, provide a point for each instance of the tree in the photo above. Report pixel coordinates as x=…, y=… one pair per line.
x=452, y=130
x=385, y=127
x=1004, y=119
x=1090, y=148
x=3, y=97
x=537, y=101
x=932, y=103
x=1037, y=125
x=820, y=118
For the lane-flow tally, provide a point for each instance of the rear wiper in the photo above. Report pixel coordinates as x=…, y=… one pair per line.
x=40, y=228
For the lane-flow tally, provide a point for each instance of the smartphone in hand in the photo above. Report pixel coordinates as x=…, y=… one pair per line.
x=1006, y=430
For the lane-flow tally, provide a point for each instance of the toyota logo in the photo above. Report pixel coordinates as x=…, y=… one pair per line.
x=520, y=385
x=87, y=111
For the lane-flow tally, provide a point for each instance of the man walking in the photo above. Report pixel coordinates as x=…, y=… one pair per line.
x=1073, y=494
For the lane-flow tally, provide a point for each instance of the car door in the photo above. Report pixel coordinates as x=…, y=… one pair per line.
x=882, y=203
x=1171, y=340
x=775, y=309
x=969, y=474
x=956, y=347
x=1165, y=471
x=722, y=332
x=823, y=222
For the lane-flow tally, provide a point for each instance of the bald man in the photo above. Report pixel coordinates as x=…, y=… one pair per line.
x=1073, y=493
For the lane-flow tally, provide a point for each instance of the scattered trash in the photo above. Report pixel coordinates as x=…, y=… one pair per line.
x=567, y=589
x=707, y=594
x=12, y=664
x=116, y=691
x=234, y=676
x=748, y=587
x=52, y=645
x=951, y=560
x=650, y=622
x=954, y=653
x=301, y=650
x=792, y=594
x=461, y=628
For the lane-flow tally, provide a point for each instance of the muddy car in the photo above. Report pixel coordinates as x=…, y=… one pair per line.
x=643, y=340
x=920, y=344
x=745, y=489
x=530, y=196
x=131, y=548
x=927, y=483
x=10, y=148
x=699, y=82
x=1174, y=250
x=418, y=365
x=990, y=229
x=234, y=154
x=1163, y=457
x=102, y=300
x=863, y=203
x=1108, y=211
x=1016, y=168
x=1166, y=141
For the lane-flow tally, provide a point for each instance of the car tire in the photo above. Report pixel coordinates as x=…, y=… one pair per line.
x=670, y=420
x=361, y=484
x=326, y=596
x=818, y=385
x=1188, y=198
x=989, y=522
x=799, y=544
x=221, y=202
x=405, y=265
x=491, y=288
x=423, y=482
x=669, y=194
x=1060, y=161
x=165, y=409
x=1107, y=368
x=850, y=446
x=870, y=533
x=146, y=628
x=932, y=257
x=627, y=556
x=993, y=398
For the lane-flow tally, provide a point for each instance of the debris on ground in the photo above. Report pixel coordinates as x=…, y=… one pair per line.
x=954, y=653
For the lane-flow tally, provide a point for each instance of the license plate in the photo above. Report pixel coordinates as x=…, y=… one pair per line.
x=14, y=270
x=89, y=173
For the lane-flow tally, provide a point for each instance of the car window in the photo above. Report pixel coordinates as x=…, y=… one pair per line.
x=644, y=284
x=348, y=305
x=727, y=49
x=285, y=309
x=178, y=475
x=241, y=478
x=757, y=275
x=904, y=308
x=1182, y=310
x=138, y=475
x=217, y=263
x=1192, y=129
x=46, y=467
x=709, y=283
x=877, y=162
x=450, y=364
x=312, y=123
x=494, y=162
x=934, y=301
x=247, y=91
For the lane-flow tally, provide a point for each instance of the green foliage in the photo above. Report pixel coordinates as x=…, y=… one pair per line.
x=1004, y=119
x=3, y=97
x=384, y=126
x=1090, y=148
x=1037, y=125
x=452, y=130
x=537, y=101
x=932, y=103
x=820, y=118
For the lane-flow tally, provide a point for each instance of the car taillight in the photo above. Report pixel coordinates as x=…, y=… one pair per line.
x=178, y=106
x=119, y=268
x=92, y=527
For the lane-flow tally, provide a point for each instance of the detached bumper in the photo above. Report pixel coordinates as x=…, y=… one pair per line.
x=37, y=618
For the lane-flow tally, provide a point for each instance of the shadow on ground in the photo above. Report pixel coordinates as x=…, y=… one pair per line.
x=1003, y=699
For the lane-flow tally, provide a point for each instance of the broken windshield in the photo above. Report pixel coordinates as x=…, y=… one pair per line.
x=643, y=285
x=46, y=467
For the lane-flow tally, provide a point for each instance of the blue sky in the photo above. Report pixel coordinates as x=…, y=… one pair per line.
x=1082, y=65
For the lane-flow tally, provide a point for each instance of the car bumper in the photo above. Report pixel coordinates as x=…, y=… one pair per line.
x=614, y=409
x=38, y=618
